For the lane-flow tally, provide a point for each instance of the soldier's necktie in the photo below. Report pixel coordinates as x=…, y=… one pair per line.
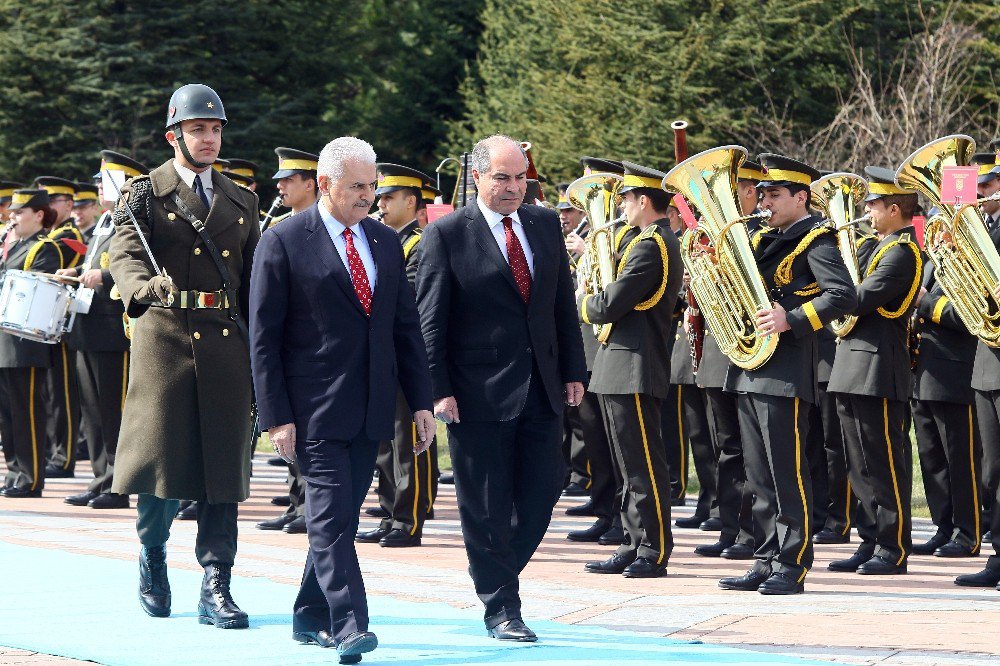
x=199, y=189
x=358, y=274
x=518, y=262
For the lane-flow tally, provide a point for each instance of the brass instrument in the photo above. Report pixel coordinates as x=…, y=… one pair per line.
x=726, y=282
x=837, y=195
x=269, y=216
x=597, y=195
x=966, y=262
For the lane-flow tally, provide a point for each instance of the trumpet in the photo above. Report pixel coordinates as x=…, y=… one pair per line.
x=269, y=216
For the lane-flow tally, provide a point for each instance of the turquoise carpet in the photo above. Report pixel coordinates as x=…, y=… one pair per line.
x=85, y=607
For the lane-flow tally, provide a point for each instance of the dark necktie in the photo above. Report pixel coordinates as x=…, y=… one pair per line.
x=516, y=259
x=358, y=274
x=199, y=189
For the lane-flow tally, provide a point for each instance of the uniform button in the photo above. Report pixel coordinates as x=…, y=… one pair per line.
x=171, y=216
x=528, y=350
x=240, y=220
x=225, y=332
x=921, y=320
x=225, y=253
x=197, y=250
x=197, y=335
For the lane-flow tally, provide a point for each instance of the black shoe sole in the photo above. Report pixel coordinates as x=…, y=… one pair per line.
x=238, y=623
x=799, y=589
x=605, y=571
x=574, y=539
x=367, y=644
x=153, y=612
x=396, y=544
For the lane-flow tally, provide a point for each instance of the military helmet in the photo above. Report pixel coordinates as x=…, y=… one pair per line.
x=194, y=100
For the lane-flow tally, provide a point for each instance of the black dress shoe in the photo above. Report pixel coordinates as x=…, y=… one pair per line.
x=592, y=533
x=615, y=536
x=447, y=478
x=513, y=630
x=986, y=578
x=216, y=605
x=276, y=523
x=879, y=566
x=154, y=588
x=748, y=582
x=616, y=564
x=691, y=522
x=109, y=501
x=738, y=551
x=399, y=539
x=374, y=536
x=377, y=512
x=281, y=500
x=585, y=509
x=711, y=525
x=15, y=492
x=82, y=499
x=643, y=568
x=678, y=501
x=575, y=490
x=713, y=549
x=295, y=526
x=190, y=512
x=781, y=583
x=954, y=549
x=351, y=648
x=851, y=563
x=932, y=544
x=277, y=461
x=58, y=472
x=826, y=535
x=988, y=537
x=321, y=638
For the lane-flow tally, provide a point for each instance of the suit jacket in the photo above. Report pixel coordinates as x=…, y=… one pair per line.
x=318, y=360
x=640, y=303
x=945, y=348
x=37, y=254
x=874, y=359
x=100, y=329
x=482, y=339
x=814, y=288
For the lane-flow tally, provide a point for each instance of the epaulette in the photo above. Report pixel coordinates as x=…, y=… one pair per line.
x=137, y=187
x=783, y=274
x=649, y=232
x=757, y=235
x=411, y=243
x=29, y=259
x=905, y=241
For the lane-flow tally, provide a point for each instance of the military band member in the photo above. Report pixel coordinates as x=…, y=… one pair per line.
x=86, y=208
x=244, y=172
x=7, y=188
x=186, y=434
x=23, y=362
x=631, y=372
x=102, y=349
x=810, y=287
x=872, y=381
x=407, y=481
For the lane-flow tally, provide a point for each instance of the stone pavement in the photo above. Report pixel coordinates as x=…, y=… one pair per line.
x=918, y=619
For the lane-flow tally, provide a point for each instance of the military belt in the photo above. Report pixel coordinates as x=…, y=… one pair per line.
x=201, y=300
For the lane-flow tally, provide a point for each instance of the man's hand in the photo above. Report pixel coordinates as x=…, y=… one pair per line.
x=283, y=441
x=574, y=393
x=581, y=285
x=920, y=296
x=771, y=321
x=574, y=243
x=67, y=272
x=91, y=278
x=426, y=428
x=446, y=410
x=159, y=289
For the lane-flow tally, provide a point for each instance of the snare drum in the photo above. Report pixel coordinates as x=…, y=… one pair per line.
x=34, y=307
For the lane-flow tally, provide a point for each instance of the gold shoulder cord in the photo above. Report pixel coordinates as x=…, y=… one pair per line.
x=904, y=240
x=649, y=232
x=36, y=248
x=783, y=274
x=410, y=244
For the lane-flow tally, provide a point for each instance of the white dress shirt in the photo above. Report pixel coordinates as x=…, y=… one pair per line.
x=495, y=222
x=336, y=230
x=188, y=177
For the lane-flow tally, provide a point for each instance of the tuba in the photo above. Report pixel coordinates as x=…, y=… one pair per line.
x=597, y=195
x=837, y=195
x=966, y=262
x=725, y=282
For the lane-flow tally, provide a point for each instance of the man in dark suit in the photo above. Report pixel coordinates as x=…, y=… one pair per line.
x=872, y=379
x=334, y=331
x=503, y=340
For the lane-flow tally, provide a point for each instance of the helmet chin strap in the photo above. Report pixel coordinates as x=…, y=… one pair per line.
x=179, y=136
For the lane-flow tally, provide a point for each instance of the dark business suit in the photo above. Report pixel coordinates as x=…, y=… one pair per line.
x=506, y=363
x=321, y=363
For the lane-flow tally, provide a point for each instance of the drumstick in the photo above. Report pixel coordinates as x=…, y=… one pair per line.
x=68, y=278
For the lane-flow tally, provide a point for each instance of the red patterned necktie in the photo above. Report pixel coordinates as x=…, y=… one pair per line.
x=358, y=274
x=516, y=259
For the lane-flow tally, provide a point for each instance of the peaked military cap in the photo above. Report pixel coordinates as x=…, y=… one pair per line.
x=220, y=165
x=429, y=191
x=882, y=183
x=638, y=176
x=596, y=164
x=392, y=177
x=56, y=186
x=751, y=170
x=29, y=199
x=781, y=171
x=114, y=161
x=85, y=194
x=7, y=188
x=238, y=178
x=988, y=166
x=292, y=161
x=243, y=167
x=563, y=201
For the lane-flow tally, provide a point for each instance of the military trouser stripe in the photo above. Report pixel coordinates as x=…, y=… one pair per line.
x=124, y=377
x=652, y=478
x=802, y=490
x=682, y=472
x=895, y=483
x=975, y=485
x=34, y=431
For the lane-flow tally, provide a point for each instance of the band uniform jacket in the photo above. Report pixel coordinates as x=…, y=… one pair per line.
x=409, y=238
x=873, y=359
x=185, y=430
x=945, y=349
x=101, y=329
x=37, y=254
x=68, y=231
x=480, y=335
x=640, y=303
x=803, y=271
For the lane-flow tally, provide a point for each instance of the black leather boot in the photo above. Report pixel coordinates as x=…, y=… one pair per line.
x=154, y=588
x=216, y=605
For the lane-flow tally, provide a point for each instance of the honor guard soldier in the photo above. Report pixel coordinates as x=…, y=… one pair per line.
x=63, y=427
x=23, y=362
x=873, y=383
x=631, y=371
x=296, y=178
x=102, y=347
x=809, y=286
x=407, y=482
x=186, y=426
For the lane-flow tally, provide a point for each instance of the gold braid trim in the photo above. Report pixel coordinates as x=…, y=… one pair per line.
x=810, y=289
x=648, y=232
x=783, y=274
x=36, y=248
x=757, y=235
x=861, y=240
x=620, y=235
x=60, y=232
x=903, y=240
x=409, y=245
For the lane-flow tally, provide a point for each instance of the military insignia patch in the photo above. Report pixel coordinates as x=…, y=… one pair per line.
x=105, y=260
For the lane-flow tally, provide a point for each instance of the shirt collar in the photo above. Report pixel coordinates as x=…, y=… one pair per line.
x=494, y=218
x=188, y=176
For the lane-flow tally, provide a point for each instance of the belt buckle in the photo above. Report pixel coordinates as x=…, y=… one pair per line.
x=206, y=299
